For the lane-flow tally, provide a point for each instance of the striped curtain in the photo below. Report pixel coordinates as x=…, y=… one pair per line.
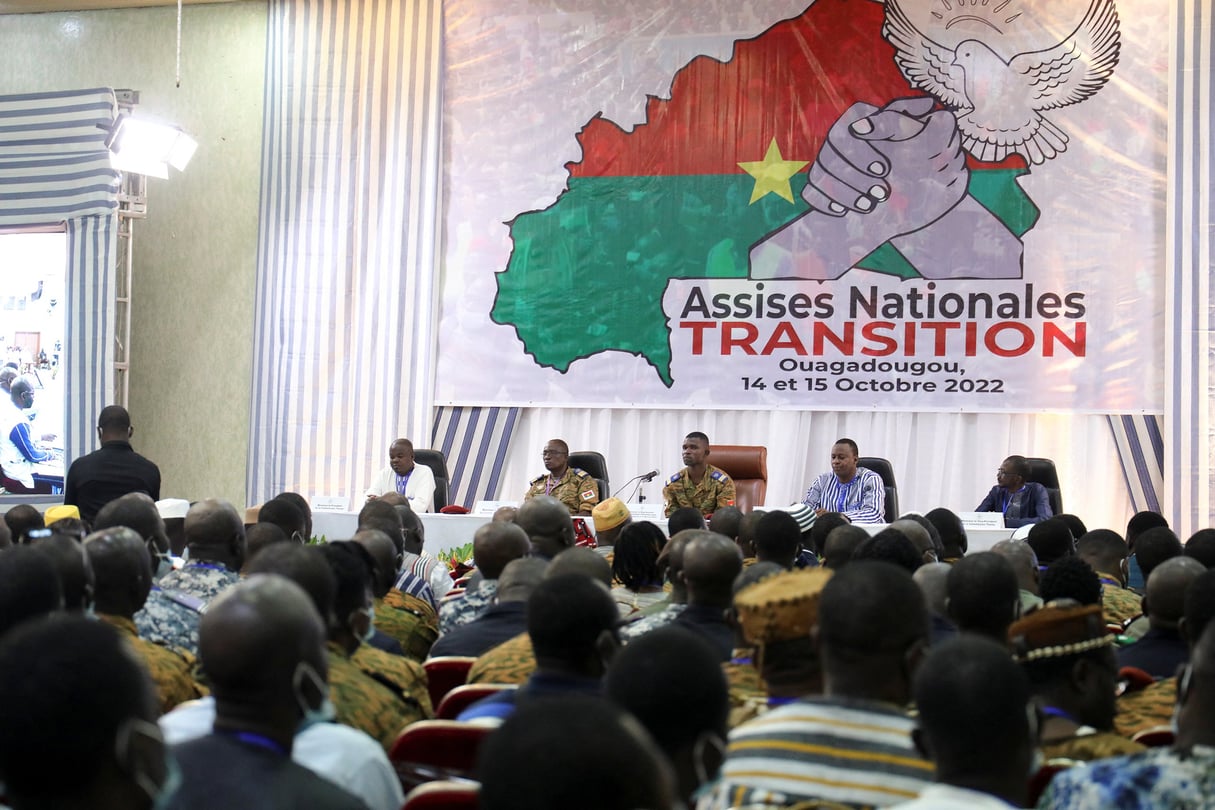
x=1140, y=446
x=476, y=442
x=55, y=171
x=345, y=301
x=1189, y=365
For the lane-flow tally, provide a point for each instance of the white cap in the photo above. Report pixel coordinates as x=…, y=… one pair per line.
x=1023, y=532
x=172, y=508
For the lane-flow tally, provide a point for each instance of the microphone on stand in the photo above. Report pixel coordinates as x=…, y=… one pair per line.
x=650, y=476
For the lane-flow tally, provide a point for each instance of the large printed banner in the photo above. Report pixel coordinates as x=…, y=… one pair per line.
x=916, y=204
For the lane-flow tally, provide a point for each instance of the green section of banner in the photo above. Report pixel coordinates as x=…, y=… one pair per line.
x=588, y=273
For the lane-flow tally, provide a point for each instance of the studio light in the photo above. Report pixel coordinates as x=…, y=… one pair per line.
x=147, y=147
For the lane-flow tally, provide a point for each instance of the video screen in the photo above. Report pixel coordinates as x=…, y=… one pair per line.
x=32, y=289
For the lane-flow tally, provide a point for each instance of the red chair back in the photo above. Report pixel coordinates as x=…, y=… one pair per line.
x=445, y=673
x=443, y=796
x=1155, y=737
x=434, y=750
x=462, y=697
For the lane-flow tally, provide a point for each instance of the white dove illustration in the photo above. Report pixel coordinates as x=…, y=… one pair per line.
x=997, y=102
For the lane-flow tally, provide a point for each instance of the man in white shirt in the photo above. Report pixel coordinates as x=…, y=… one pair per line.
x=415, y=481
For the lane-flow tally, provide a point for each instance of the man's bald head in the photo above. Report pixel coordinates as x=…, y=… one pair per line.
x=711, y=562
x=122, y=570
x=495, y=544
x=920, y=537
x=214, y=531
x=931, y=579
x=583, y=562
x=841, y=543
x=135, y=510
x=1024, y=561
x=548, y=525
x=251, y=642
x=1164, y=601
x=519, y=578
x=75, y=573
x=383, y=555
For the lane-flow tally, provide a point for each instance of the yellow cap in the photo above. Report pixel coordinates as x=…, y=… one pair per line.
x=54, y=513
x=609, y=514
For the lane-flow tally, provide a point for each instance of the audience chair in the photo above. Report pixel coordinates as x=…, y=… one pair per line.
x=445, y=673
x=593, y=463
x=1042, y=471
x=438, y=465
x=446, y=795
x=747, y=465
x=460, y=698
x=1155, y=737
x=433, y=750
x=883, y=468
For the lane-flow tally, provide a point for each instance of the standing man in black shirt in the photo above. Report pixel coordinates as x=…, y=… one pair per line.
x=111, y=472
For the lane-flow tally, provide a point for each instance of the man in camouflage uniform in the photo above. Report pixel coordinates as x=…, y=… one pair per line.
x=409, y=620
x=573, y=487
x=122, y=571
x=699, y=484
x=1107, y=553
x=215, y=539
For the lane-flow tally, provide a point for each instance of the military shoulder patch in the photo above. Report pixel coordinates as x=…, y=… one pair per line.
x=673, y=478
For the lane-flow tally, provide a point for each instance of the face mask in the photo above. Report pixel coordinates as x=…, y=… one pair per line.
x=699, y=755
x=370, y=624
x=162, y=785
x=326, y=712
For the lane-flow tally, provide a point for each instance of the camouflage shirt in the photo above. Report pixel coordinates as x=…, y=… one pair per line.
x=408, y=619
x=405, y=678
x=361, y=701
x=1118, y=603
x=1087, y=745
x=1147, y=708
x=510, y=662
x=637, y=629
x=172, y=671
x=171, y=614
x=748, y=693
x=715, y=490
x=576, y=489
x=460, y=609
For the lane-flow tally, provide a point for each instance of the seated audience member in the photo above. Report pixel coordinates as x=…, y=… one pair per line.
x=495, y=545
x=411, y=591
x=823, y=525
x=588, y=744
x=416, y=560
x=1201, y=546
x=699, y=485
x=79, y=720
x=676, y=602
x=778, y=617
x=112, y=471
x=29, y=587
x=391, y=624
x=300, y=503
x=138, y=512
x=671, y=682
x=892, y=546
x=748, y=693
x=1106, y=552
x=922, y=538
x=983, y=595
x=1051, y=540
x=21, y=519
x=1020, y=554
x=852, y=746
x=19, y=452
x=1070, y=578
x=746, y=537
x=577, y=490
x=855, y=492
x=1179, y=776
x=841, y=544
x=414, y=482
x=684, y=518
x=1022, y=502
x=73, y=569
x=548, y=526
x=710, y=564
x=611, y=517
x=259, y=536
x=1068, y=657
x=951, y=531
x=932, y=579
x=1162, y=649
x=123, y=574
x=514, y=661
x=635, y=567
x=215, y=539
x=973, y=725
x=173, y=512
x=806, y=519
x=501, y=621
x=1151, y=705
x=1139, y=523
x=1074, y=524
x=287, y=516
x=778, y=538
x=726, y=521
x=1152, y=547
x=359, y=701
x=571, y=621
x=262, y=645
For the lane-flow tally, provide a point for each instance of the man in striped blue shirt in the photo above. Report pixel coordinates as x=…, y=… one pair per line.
x=855, y=492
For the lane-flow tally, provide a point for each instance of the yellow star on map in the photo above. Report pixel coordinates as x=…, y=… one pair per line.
x=772, y=173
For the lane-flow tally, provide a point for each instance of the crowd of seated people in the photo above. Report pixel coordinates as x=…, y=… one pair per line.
x=765, y=659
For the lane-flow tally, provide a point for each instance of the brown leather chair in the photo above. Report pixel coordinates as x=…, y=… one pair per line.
x=747, y=465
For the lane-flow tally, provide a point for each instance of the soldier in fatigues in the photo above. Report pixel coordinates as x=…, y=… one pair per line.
x=573, y=487
x=699, y=484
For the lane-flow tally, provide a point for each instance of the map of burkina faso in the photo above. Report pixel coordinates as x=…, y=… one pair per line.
x=686, y=194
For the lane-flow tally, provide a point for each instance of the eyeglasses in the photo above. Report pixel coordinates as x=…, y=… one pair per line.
x=553, y=453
